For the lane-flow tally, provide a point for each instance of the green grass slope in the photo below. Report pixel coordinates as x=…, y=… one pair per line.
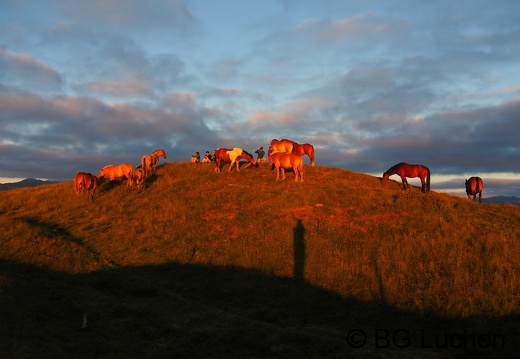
x=237, y=265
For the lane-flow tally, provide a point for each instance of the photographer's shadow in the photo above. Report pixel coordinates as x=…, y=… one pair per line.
x=299, y=251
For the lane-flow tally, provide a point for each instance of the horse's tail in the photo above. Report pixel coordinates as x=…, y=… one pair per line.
x=428, y=181
x=477, y=185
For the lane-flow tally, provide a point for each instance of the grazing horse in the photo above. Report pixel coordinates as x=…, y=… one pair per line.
x=234, y=156
x=138, y=178
x=151, y=161
x=113, y=172
x=281, y=146
x=475, y=185
x=281, y=161
x=411, y=171
x=302, y=149
x=86, y=181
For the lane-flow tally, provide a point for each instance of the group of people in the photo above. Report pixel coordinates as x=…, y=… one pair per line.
x=208, y=157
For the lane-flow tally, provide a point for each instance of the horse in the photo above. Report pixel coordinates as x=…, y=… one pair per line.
x=138, y=177
x=474, y=185
x=302, y=149
x=281, y=161
x=281, y=146
x=86, y=181
x=113, y=172
x=234, y=156
x=411, y=171
x=151, y=161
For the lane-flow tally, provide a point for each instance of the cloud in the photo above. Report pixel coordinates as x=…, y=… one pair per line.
x=115, y=88
x=23, y=68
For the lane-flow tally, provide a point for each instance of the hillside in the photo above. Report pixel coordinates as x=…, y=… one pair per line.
x=237, y=264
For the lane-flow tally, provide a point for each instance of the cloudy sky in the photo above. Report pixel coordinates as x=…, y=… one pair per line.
x=369, y=83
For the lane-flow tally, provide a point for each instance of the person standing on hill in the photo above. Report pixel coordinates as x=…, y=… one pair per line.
x=260, y=152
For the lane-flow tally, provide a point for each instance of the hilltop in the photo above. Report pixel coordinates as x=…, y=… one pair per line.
x=237, y=264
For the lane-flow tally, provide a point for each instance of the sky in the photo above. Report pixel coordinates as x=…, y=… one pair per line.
x=369, y=83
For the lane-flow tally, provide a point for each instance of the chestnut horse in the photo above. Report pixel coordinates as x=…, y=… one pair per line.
x=138, y=178
x=113, y=172
x=86, y=181
x=302, y=149
x=234, y=156
x=411, y=171
x=281, y=161
x=475, y=185
x=151, y=161
x=281, y=146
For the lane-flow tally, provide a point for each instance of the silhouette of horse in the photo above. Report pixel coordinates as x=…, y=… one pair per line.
x=234, y=156
x=150, y=162
x=281, y=146
x=86, y=181
x=475, y=185
x=302, y=149
x=281, y=161
x=138, y=177
x=113, y=172
x=411, y=171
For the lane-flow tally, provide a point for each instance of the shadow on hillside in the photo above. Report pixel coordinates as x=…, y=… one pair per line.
x=299, y=251
x=177, y=310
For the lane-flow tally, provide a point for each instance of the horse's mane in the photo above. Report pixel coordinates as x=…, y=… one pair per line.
x=395, y=167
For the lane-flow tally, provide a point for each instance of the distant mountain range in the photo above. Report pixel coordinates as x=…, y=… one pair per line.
x=502, y=200
x=28, y=182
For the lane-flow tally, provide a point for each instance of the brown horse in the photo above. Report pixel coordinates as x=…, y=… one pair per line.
x=302, y=149
x=138, y=177
x=281, y=161
x=151, y=161
x=234, y=156
x=281, y=146
x=475, y=185
x=113, y=172
x=411, y=171
x=86, y=181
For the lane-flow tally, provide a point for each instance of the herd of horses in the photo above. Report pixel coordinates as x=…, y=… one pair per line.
x=135, y=177
x=283, y=154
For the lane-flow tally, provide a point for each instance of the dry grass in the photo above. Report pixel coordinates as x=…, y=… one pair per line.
x=400, y=256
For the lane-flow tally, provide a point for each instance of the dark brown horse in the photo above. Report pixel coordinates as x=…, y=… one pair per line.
x=475, y=185
x=86, y=181
x=234, y=156
x=411, y=171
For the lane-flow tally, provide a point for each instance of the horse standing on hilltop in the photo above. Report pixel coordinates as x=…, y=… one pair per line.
x=302, y=149
x=474, y=185
x=150, y=162
x=113, y=172
x=281, y=161
x=281, y=146
x=234, y=156
x=86, y=181
x=411, y=171
x=138, y=178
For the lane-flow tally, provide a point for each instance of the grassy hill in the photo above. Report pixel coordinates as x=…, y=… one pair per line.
x=237, y=265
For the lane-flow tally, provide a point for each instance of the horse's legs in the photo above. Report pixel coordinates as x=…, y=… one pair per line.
x=283, y=172
x=480, y=197
x=405, y=182
x=231, y=165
